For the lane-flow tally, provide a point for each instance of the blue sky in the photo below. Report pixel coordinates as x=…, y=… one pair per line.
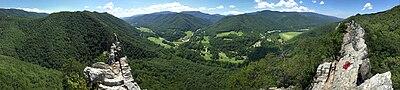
x=125, y=8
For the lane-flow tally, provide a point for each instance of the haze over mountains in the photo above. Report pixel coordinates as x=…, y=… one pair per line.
x=187, y=50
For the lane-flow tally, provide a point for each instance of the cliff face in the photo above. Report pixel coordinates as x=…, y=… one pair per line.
x=350, y=71
x=115, y=75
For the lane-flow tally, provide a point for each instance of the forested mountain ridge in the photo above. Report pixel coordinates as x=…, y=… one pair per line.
x=171, y=20
x=213, y=18
x=79, y=35
x=69, y=41
x=248, y=37
x=169, y=25
x=266, y=20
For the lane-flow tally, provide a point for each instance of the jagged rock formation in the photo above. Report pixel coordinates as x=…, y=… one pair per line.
x=350, y=71
x=378, y=82
x=115, y=75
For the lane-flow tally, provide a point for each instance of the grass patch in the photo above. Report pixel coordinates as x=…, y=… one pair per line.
x=228, y=39
x=143, y=29
x=159, y=41
x=182, y=40
x=206, y=54
x=223, y=57
x=289, y=35
x=228, y=33
x=187, y=37
x=206, y=41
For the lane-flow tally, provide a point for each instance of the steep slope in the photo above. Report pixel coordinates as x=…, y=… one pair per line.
x=351, y=69
x=167, y=21
x=16, y=74
x=169, y=25
x=382, y=38
x=53, y=40
x=18, y=12
x=266, y=20
x=308, y=50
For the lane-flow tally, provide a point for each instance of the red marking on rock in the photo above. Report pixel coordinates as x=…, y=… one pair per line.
x=346, y=65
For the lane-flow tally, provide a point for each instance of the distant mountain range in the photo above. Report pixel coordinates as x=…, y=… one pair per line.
x=19, y=12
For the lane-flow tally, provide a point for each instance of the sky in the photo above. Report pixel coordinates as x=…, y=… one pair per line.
x=126, y=8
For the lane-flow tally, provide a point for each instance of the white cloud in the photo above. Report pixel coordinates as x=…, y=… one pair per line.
x=86, y=7
x=367, y=6
x=35, y=10
x=301, y=2
x=261, y=4
x=220, y=7
x=289, y=3
x=109, y=5
x=322, y=2
x=232, y=13
x=314, y=1
x=286, y=6
x=232, y=6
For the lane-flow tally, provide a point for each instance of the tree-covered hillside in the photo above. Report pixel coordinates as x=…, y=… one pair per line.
x=69, y=41
x=52, y=40
x=18, y=75
x=169, y=25
x=213, y=18
x=266, y=20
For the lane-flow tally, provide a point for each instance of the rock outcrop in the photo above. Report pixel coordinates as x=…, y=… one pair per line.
x=350, y=71
x=116, y=75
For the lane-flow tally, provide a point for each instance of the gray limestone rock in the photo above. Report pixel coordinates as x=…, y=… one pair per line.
x=113, y=76
x=378, y=82
x=351, y=70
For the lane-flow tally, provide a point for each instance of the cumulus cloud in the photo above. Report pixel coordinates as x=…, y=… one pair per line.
x=261, y=4
x=289, y=3
x=367, y=6
x=86, y=7
x=314, y=1
x=322, y=2
x=287, y=6
x=35, y=10
x=173, y=7
x=301, y=2
x=232, y=6
x=220, y=7
x=109, y=5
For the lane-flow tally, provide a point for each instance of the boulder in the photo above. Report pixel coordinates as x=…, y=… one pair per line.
x=378, y=82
